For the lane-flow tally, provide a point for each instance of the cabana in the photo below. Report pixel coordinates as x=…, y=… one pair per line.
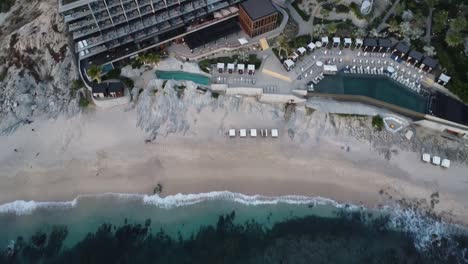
x=230, y=67
x=274, y=132
x=301, y=51
x=220, y=67
x=429, y=64
x=232, y=132
x=251, y=69
x=330, y=69
x=288, y=64
x=253, y=132
x=324, y=41
x=311, y=46
x=443, y=79
x=436, y=160
x=426, y=157
x=401, y=49
x=414, y=57
x=445, y=163
x=359, y=43
x=384, y=45
x=294, y=56
x=336, y=41
x=370, y=43
x=348, y=42
x=240, y=68
x=243, y=133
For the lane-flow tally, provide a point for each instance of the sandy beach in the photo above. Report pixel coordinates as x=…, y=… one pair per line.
x=104, y=150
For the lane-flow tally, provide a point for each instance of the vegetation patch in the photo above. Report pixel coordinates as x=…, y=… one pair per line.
x=206, y=64
x=180, y=90
x=5, y=5
x=377, y=122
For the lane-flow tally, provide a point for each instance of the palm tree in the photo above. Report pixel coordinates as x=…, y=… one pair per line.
x=332, y=28
x=94, y=72
x=393, y=26
x=458, y=24
x=440, y=21
x=453, y=38
x=283, y=45
x=149, y=58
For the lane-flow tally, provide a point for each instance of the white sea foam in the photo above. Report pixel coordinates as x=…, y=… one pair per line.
x=21, y=207
x=422, y=228
x=178, y=200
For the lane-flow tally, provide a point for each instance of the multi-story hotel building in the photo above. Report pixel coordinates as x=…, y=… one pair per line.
x=107, y=31
x=257, y=17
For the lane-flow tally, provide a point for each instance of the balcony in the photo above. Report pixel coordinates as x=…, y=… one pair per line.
x=98, y=6
x=146, y=10
x=117, y=10
x=85, y=31
x=82, y=23
x=112, y=3
x=132, y=14
x=92, y=51
x=75, y=15
x=105, y=24
x=103, y=15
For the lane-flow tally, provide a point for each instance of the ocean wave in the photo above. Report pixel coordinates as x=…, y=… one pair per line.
x=425, y=230
x=178, y=200
x=21, y=207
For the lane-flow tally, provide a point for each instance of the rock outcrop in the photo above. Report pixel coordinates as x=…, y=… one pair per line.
x=36, y=64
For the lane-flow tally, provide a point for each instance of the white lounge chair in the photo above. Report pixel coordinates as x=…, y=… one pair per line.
x=445, y=163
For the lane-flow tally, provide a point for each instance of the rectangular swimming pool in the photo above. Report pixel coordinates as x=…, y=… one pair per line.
x=376, y=87
x=184, y=76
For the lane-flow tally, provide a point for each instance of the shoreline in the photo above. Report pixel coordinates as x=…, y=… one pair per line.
x=104, y=151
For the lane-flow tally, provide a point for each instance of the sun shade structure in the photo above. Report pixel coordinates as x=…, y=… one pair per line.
x=348, y=42
x=253, y=132
x=220, y=67
x=324, y=40
x=311, y=46
x=251, y=68
x=445, y=163
x=288, y=64
x=230, y=67
x=232, y=132
x=426, y=157
x=336, y=41
x=436, y=160
x=444, y=78
x=274, y=132
x=301, y=50
x=358, y=42
x=240, y=68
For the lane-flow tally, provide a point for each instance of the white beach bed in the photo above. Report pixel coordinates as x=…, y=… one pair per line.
x=232, y=132
x=274, y=132
x=436, y=160
x=243, y=132
x=445, y=163
x=253, y=132
x=426, y=157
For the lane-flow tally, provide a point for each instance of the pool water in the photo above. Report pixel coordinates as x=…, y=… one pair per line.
x=186, y=76
x=379, y=88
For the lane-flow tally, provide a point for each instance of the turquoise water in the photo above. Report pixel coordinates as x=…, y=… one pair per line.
x=380, y=88
x=208, y=228
x=185, y=76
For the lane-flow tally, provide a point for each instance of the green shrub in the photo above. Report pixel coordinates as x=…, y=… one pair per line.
x=356, y=10
x=75, y=86
x=5, y=5
x=128, y=82
x=84, y=102
x=377, y=122
x=113, y=74
x=342, y=9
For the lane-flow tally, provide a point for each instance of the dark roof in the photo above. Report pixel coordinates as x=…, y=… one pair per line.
x=385, y=43
x=415, y=55
x=430, y=62
x=448, y=108
x=206, y=35
x=402, y=47
x=257, y=9
x=108, y=87
x=371, y=42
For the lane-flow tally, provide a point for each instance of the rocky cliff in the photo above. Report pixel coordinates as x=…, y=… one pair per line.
x=36, y=64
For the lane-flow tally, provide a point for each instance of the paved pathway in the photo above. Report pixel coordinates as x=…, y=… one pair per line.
x=427, y=37
x=382, y=24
